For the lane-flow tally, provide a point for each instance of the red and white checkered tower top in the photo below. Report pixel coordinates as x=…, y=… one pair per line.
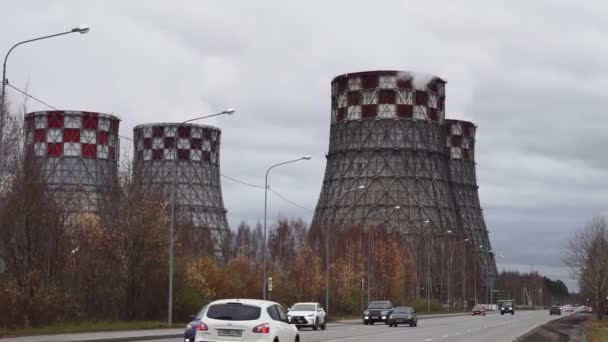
x=60, y=133
x=387, y=94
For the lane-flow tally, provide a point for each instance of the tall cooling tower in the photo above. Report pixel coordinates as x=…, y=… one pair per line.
x=387, y=149
x=77, y=153
x=198, y=192
x=460, y=139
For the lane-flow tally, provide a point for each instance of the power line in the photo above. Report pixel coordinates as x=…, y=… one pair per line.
x=30, y=96
x=242, y=182
x=269, y=189
x=289, y=201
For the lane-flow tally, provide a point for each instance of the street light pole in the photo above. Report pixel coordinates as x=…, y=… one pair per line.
x=307, y=157
x=464, y=277
x=229, y=111
x=428, y=271
x=80, y=29
x=370, y=268
x=327, y=256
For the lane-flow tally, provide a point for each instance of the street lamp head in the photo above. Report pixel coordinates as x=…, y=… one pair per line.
x=466, y=240
x=82, y=29
x=480, y=246
x=307, y=157
x=361, y=187
x=449, y=231
x=427, y=221
x=396, y=207
x=229, y=111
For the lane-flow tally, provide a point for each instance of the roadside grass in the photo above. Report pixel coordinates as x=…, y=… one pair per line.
x=85, y=326
x=596, y=331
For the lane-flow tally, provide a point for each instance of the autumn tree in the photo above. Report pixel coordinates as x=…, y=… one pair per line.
x=587, y=258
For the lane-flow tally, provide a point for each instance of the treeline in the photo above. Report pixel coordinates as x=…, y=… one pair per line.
x=297, y=267
x=532, y=289
x=63, y=265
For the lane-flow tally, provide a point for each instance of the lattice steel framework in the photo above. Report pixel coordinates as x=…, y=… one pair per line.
x=460, y=141
x=386, y=135
x=198, y=193
x=77, y=153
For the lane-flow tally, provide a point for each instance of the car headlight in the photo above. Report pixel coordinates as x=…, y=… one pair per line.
x=384, y=313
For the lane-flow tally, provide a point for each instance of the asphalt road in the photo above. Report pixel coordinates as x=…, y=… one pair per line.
x=493, y=327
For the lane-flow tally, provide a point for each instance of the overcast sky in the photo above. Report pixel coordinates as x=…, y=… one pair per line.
x=531, y=74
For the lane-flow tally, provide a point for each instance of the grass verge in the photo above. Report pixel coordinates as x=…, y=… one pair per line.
x=85, y=326
x=596, y=331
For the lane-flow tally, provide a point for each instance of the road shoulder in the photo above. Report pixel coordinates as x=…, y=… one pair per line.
x=565, y=329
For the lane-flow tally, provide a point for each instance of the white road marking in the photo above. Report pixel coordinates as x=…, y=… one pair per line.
x=445, y=336
x=429, y=339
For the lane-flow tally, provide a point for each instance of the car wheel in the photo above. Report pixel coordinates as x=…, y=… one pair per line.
x=365, y=322
x=395, y=325
x=512, y=313
x=385, y=322
x=316, y=326
x=297, y=339
x=416, y=324
x=372, y=322
x=412, y=325
x=324, y=326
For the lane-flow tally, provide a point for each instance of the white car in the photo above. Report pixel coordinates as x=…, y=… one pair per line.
x=308, y=315
x=243, y=320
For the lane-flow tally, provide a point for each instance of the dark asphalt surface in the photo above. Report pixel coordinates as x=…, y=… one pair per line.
x=565, y=329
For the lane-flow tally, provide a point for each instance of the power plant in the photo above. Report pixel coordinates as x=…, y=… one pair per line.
x=391, y=163
x=185, y=158
x=77, y=153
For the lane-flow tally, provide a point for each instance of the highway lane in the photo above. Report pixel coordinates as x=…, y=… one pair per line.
x=492, y=327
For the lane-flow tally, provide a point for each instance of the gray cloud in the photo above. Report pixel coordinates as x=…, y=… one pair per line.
x=531, y=74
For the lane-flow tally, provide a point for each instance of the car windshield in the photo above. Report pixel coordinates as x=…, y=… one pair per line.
x=234, y=312
x=378, y=306
x=303, y=307
x=403, y=310
x=477, y=307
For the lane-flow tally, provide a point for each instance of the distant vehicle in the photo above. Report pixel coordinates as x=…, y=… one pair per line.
x=241, y=320
x=555, y=310
x=403, y=315
x=378, y=311
x=568, y=308
x=478, y=310
x=307, y=315
x=507, y=308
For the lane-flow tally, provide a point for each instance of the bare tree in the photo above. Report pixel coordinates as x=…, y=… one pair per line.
x=587, y=258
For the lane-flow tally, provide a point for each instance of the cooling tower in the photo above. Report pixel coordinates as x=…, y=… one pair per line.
x=190, y=153
x=387, y=149
x=77, y=153
x=460, y=141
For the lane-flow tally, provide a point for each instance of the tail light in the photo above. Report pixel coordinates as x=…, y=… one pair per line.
x=202, y=327
x=262, y=329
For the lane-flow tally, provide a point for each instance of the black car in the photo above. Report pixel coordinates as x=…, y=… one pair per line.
x=191, y=328
x=507, y=308
x=378, y=311
x=403, y=315
x=555, y=310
